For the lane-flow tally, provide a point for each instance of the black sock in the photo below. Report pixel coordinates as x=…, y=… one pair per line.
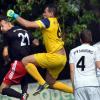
x=11, y=92
x=24, y=84
x=24, y=88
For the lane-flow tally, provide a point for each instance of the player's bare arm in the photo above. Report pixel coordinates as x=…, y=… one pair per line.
x=5, y=51
x=27, y=23
x=72, y=72
x=98, y=64
x=6, y=55
x=35, y=42
x=22, y=21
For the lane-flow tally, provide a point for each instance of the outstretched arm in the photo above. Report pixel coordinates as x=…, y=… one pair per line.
x=22, y=21
x=26, y=23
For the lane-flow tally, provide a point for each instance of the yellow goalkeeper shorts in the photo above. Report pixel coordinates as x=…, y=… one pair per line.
x=54, y=62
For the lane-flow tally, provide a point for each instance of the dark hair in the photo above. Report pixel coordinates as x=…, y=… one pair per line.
x=52, y=8
x=3, y=18
x=86, y=36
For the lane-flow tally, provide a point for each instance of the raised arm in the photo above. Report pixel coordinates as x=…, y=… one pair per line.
x=22, y=21
x=26, y=23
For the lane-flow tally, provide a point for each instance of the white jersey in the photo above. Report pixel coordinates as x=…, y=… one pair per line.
x=84, y=58
x=98, y=46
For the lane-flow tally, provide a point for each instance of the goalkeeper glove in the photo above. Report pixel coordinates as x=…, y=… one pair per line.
x=12, y=14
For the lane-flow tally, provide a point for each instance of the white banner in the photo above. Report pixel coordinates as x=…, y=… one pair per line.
x=47, y=94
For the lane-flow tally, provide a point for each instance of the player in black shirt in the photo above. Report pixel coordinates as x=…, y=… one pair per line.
x=17, y=44
x=18, y=41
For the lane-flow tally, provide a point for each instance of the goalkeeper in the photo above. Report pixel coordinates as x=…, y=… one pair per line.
x=55, y=58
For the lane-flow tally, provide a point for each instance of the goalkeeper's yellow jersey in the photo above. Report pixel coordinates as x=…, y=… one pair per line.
x=52, y=37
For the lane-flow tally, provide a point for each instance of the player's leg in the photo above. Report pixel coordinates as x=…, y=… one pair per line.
x=6, y=90
x=54, y=66
x=58, y=85
x=53, y=72
x=62, y=87
x=32, y=70
x=93, y=92
x=81, y=94
x=24, y=84
x=49, y=61
x=87, y=93
x=31, y=66
x=14, y=76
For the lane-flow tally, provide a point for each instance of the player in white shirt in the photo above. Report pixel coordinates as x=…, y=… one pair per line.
x=83, y=62
x=98, y=70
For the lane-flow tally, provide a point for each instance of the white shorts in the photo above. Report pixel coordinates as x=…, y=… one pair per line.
x=87, y=93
